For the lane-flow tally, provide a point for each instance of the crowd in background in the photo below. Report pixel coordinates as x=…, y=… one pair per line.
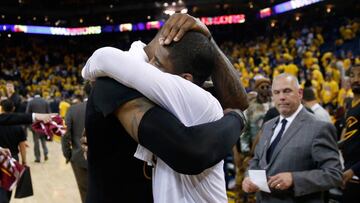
x=319, y=58
x=54, y=69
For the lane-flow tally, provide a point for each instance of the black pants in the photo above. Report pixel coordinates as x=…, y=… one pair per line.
x=81, y=176
x=4, y=196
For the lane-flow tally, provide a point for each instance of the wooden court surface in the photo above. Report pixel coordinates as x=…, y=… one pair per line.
x=53, y=180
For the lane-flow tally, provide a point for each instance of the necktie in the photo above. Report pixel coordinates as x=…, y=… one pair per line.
x=276, y=140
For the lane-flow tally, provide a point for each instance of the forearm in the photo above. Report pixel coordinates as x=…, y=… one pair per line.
x=22, y=149
x=188, y=150
x=121, y=66
x=236, y=155
x=159, y=87
x=15, y=119
x=228, y=87
x=106, y=57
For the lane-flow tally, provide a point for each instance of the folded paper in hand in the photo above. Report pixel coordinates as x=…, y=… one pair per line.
x=258, y=177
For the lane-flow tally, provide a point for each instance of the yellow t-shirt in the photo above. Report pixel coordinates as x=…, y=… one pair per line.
x=318, y=76
x=324, y=59
x=63, y=107
x=291, y=69
x=317, y=87
x=329, y=91
x=347, y=64
x=336, y=75
x=344, y=94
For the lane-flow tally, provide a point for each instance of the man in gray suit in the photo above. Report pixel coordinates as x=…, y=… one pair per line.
x=297, y=151
x=39, y=105
x=71, y=147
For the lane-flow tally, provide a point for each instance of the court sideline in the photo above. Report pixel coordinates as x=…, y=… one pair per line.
x=53, y=180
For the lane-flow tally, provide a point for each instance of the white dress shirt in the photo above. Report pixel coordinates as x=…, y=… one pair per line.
x=289, y=121
x=188, y=102
x=320, y=113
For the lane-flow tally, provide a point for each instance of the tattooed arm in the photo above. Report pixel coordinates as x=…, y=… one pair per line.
x=131, y=113
x=228, y=87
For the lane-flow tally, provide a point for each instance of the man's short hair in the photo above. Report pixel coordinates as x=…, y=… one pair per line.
x=78, y=97
x=7, y=105
x=309, y=94
x=38, y=92
x=193, y=54
x=287, y=75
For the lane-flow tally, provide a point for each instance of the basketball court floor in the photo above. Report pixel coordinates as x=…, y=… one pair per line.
x=53, y=180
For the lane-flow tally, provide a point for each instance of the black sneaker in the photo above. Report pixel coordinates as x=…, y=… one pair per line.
x=37, y=161
x=46, y=158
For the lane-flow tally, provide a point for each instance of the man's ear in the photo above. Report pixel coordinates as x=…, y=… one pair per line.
x=187, y=76
x=301, y=91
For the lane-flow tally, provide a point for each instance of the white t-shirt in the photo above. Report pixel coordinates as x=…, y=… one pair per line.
x=320, y=113
x=188, y=102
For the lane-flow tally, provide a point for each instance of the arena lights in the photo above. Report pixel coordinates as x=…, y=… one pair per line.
x=170, y=9
x=329, y=8
x=128, y=27
x=125, y=27
x=266, y=12
x=286, y=6
x=154, y=25
x=51, y=30
x=294, y=4
x=224, y=20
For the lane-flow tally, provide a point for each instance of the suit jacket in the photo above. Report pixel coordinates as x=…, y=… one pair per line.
x=75, y=123
x=16, y=99
x=15, y=118
x=307, y=149
x=38, y=105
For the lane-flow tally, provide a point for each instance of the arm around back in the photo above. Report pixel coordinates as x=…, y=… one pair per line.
x=15, y=118
x=189, y=150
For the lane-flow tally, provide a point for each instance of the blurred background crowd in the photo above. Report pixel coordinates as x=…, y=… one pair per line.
x=317, y=44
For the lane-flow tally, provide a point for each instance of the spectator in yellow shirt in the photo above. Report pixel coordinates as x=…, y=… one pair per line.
x=329, y=92
x=63, y=107
x=345, y=92
x=290, y=67
x=316, y=74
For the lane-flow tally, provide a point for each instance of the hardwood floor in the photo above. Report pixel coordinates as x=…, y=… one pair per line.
x=53, y=180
